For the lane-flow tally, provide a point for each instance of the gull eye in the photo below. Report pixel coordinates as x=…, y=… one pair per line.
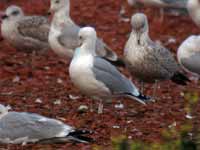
x=80, y=37
x=15, y=13
x=57, y=1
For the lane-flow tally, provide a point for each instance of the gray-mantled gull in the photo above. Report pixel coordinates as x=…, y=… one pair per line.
x=63, y=36
x=174, y=4
x=189, y=54
x=96, y=77
x=161, y=3
x=146, y=60
x=23, y=127
x=193, y=7
x=25, y=33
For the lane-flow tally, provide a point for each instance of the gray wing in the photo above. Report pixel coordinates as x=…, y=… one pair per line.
x=69, y=36
x=69, y=39
x=112, y=78
x=178, y=3
x=104, y=51
x=36, y=27
x=17, y=125
x=192, y=63
x=164, y=57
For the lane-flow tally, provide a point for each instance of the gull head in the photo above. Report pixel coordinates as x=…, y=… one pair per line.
x=57, y=5
x=13, y=13
x=139, y=23
x=87, y=35
x=3, y=110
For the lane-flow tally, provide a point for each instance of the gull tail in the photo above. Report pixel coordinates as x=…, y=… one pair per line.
x=140, y=98
x=180, y=78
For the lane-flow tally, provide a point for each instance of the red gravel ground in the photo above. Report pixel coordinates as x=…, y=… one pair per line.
x=48, y=78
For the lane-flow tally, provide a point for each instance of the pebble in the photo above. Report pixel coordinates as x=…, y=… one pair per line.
x=83, y=108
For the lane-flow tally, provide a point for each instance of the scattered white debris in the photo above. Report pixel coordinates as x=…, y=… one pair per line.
x=47, y=68
x=190, y=134
x=57, y=102
x=122, y=11
x=59, y=81
x=119, y=106
x=189, y=116
x=83, y=108
x=182, y=94
x=16, y=79
x=116, y=127
x=130, y=137
x=72, y=97
x=6, y=93
x=172, y=125
x=171, y=40
x=38, y=100
x=130, y=121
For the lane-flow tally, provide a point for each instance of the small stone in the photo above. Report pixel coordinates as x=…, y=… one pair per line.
x=72, y=97
x=116, y=127
x=60, y=81
x=172, y=125
x=16, y=79
x=182, y=94
x=130, y=137
x=38, y=100
x=119, y=106
x=47, y=68
x=57, y=102
x=189, y=116
x=83, y=108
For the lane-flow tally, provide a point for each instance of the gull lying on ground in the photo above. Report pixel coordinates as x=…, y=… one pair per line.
x=189, y=55
x=63, y=36
x=146, y=60
x=96, y=77
x=23, y=127
x=27, y=33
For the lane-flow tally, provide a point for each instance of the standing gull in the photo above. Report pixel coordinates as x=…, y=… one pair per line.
x=193, y=7
x=23, y=127
x=189, y=54
x=96, y=77
x=27, y=33
x=145, y=59
x=63, y=36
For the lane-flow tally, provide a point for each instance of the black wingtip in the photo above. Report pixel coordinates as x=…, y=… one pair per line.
x=118, y=63
x=180, y=78
x=77, y=136
x=141, y=98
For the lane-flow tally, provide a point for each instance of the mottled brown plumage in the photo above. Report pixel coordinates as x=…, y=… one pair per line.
x=147, y=60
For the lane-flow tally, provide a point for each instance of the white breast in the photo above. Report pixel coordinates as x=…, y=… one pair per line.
x=82, y=76
x=56, y=46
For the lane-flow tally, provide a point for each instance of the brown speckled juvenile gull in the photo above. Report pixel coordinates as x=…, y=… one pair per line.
x=189, y=55
x=145, y=59
x=25, y=33
x=23, y=127
x=63, y=36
